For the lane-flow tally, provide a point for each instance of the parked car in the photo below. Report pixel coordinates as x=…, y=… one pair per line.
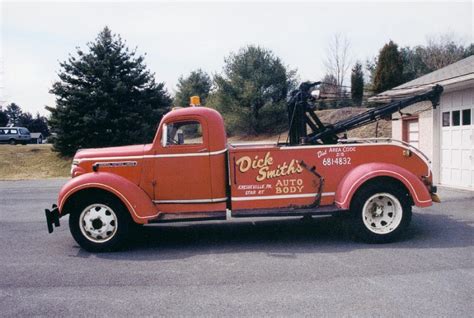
x=14, y=135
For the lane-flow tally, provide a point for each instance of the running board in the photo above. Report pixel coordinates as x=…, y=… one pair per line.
x=221, y=215
x=189, y=217
x=322, y=210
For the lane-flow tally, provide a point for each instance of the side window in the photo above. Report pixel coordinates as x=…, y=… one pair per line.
x=456, y=118
x=13, y=131
x=2, y=132
x=184, y=133
x=446, y=119
x=466, y=117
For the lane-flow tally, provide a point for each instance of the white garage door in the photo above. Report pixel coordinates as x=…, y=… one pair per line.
x=457, y=140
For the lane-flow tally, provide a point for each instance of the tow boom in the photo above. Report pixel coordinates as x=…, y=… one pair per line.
x=301, y=115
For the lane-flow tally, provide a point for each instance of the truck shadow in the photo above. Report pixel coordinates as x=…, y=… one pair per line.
x=283, y=238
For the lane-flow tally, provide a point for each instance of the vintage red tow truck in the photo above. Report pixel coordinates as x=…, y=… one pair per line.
x=191, y=173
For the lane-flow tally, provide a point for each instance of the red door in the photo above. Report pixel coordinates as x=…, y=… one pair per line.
x=182, y=163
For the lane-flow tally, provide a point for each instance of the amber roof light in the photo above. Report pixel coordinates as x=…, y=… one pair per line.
x=195, y=101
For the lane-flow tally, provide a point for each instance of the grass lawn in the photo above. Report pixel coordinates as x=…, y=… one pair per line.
x=31, y=162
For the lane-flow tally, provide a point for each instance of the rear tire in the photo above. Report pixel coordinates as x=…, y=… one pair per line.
x=12, y=142
x=100, y=224
x=380, y=212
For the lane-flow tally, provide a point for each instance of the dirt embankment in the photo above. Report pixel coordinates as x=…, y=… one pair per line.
x=369, y=131
x=331, y=116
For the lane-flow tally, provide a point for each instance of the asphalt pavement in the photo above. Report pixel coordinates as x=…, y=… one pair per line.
x=253, y=267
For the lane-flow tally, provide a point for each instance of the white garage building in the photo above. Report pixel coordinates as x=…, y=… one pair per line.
x=444, y=134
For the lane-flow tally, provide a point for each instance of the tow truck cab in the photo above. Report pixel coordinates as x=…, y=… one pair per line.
x=182, y=170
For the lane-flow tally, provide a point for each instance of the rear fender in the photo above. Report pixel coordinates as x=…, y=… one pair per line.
x=363, y=173
x=138, y=203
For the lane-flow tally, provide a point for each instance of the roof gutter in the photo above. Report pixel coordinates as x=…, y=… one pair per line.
x=449, y=85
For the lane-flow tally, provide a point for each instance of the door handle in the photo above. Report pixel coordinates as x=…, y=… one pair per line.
x=203, y=150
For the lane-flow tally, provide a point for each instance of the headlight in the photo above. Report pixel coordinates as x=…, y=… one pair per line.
x=74, y=164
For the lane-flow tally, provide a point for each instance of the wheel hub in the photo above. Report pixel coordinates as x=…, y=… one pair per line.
x=98, y=223
x=378, y=211
x=382, y=213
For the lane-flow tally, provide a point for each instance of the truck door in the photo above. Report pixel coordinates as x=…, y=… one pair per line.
x=182, y=163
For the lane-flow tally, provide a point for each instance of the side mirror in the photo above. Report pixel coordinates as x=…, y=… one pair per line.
x=180, y=138
x=164, y=136
x=316, y=93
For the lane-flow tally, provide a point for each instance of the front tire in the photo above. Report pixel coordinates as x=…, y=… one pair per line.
x=380, y=212
x=100, y=224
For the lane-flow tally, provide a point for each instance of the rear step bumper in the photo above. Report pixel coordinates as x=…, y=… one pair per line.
x=52, y=218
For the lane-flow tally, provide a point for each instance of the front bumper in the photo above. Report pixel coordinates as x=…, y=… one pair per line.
x=52, y=218
x=435, y=198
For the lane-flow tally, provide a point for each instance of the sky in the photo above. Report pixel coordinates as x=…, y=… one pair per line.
x=178, y=37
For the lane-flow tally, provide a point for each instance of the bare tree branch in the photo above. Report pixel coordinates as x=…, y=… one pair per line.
x=338, y=59
x=442, y=50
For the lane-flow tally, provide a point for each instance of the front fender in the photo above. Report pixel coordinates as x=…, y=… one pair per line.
x=358, y=176
x=139, y=204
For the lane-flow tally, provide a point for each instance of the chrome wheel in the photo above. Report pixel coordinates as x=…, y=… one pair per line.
x=98, y=223
x=382, y=213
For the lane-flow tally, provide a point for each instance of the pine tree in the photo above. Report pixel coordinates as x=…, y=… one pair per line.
x=14, y=113
x=357, y=84
x=413, y=65
x=105, y=96
x=35, y=124
x=3, y=118
x=252, y=91
x=197, y=83
x=389, y=70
